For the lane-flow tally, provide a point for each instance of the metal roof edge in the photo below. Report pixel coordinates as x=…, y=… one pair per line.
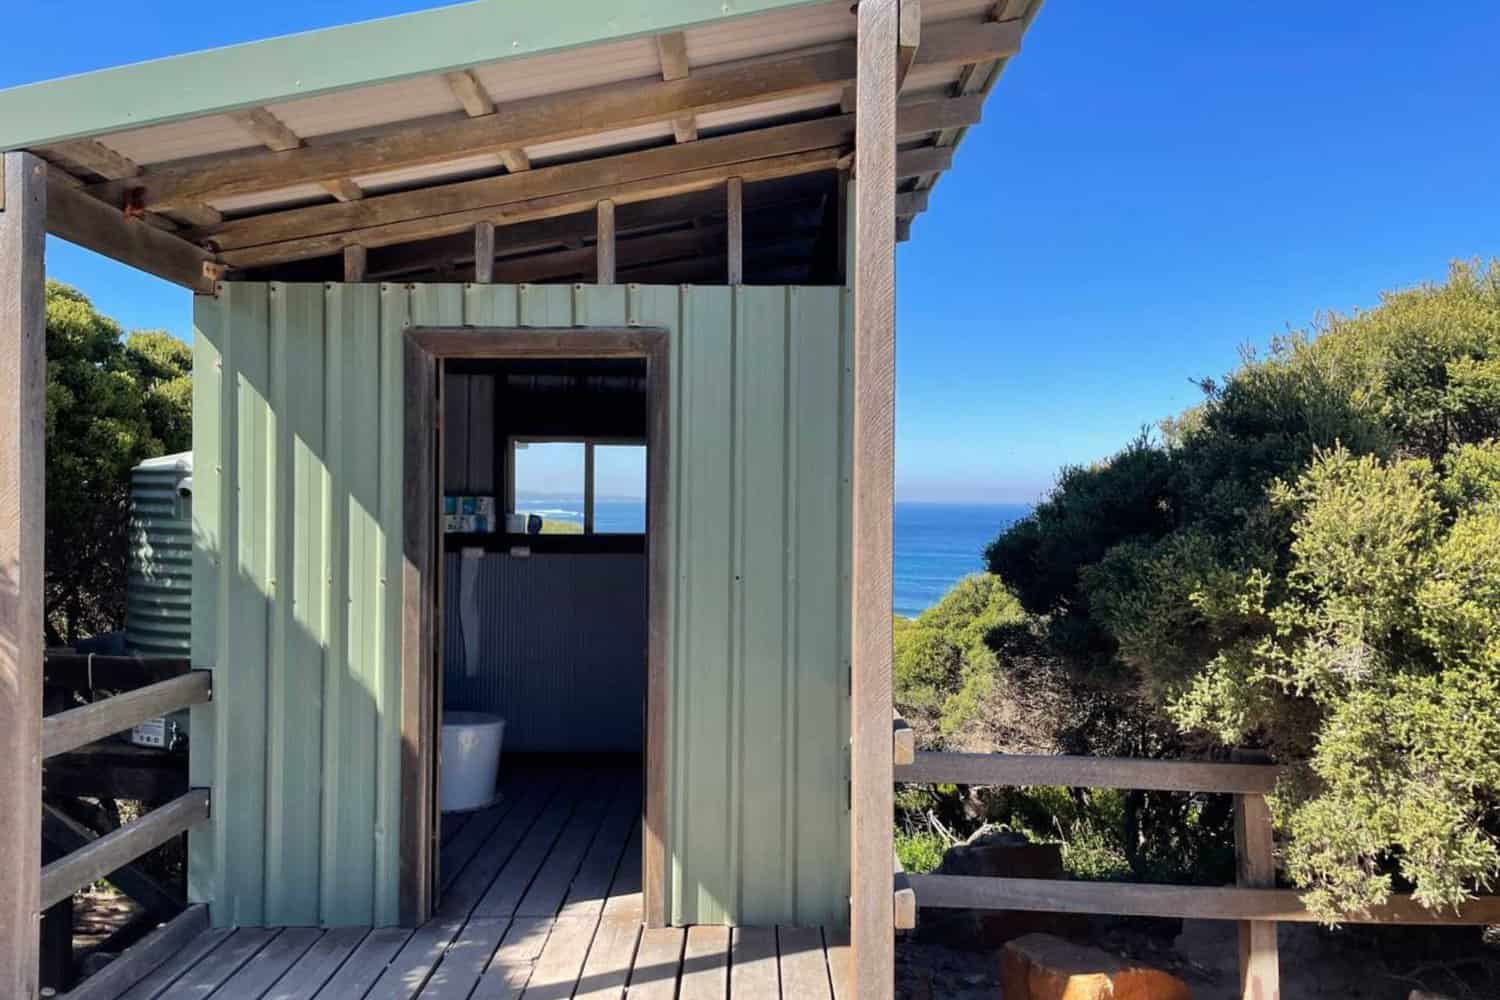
x=329, y=59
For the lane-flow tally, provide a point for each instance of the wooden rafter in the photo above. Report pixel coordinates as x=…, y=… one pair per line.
x=477, y=103
x=91, y=157
x=344, y=189
x=654, y=172
x=88, y=222
x=268, y=130
x=671, y=49
x=543, y=119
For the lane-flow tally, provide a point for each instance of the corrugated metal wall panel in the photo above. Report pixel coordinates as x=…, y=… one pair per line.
x=298, y=432
x=559, y=648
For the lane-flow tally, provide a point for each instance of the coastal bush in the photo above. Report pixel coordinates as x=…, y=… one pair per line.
x=1309, y=562
x=112, y=401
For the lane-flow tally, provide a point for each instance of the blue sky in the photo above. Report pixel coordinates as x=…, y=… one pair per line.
x=1147, y=193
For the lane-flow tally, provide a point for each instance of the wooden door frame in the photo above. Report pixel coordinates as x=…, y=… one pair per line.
x=425, y=349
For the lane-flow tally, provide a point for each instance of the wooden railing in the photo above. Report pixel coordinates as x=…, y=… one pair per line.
x=77, y=727
x=1253, y=901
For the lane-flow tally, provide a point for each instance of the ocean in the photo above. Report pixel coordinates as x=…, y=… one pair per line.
x=937, y=544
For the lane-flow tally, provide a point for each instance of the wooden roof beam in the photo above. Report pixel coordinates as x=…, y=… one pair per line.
x=542, y=119
x=90, y=156
x=477, y=103
x=268, y=130
x=78, y=218
x=488, y=195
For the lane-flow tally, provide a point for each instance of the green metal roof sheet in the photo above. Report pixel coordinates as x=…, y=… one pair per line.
x=278, y=69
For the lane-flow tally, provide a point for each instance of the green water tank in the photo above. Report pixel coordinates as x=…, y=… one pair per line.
x=159, y=589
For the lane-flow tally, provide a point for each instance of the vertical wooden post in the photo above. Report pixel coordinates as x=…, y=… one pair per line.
x=606, y=243
x=1254, y=851
x=484, y=253
x=355, y=259
x=736, y=231
x=871, y=793
x=23, y=392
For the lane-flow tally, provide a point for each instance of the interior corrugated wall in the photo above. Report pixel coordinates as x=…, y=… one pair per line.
x=297, y=538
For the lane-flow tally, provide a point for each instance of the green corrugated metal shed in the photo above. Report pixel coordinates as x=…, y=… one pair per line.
x=298, y=438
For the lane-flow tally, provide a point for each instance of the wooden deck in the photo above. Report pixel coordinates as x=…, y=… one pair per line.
x=541, y=899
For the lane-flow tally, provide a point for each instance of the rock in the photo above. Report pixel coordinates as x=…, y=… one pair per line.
x=998, y=854
x=1043, y=967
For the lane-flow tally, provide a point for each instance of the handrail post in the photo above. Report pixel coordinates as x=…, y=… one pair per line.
x=23, y=367
x=1255, y=867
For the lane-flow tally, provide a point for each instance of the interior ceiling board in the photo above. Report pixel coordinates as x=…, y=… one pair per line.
x=598, y=143
x=597, y=65
x=343, y=111
x=302, y=194
x=449, y=170
x=179, y=140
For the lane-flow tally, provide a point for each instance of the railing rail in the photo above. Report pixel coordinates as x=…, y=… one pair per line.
x=118, y=848
x=80, y=726
x=1253, y=902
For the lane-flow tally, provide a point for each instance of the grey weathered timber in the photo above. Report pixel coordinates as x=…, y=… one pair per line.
x=266, y=128
x=23, y=362
x=355, y=260
x=604, y=246
x=537, y=120
x=903, y=741
x=76, y=217
x=113, y=850
x=143, y=957
x=484, y=253
x=83, y=725
x=874, y=280
x=1254, y=849
x=1189, y=902
x=735, y=192
x=905, y=897
x=1089, y=772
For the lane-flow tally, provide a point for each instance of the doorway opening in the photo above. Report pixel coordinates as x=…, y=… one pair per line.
x=538, y=669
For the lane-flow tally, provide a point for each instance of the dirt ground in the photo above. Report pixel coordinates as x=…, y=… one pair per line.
x=1315, y=964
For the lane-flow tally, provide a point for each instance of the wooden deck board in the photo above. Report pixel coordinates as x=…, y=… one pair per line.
x=561, y=962
x=464, y=962
x=355, y=977
x=318, y=964
x=658, y=964
x=624, y=901
x=268, y=965
x=610, y=958
x=470, y=884
x=210, y=972
x=597, y=873
x=408, y=971
x=705, y=964
x=505, y=893
x=545, y=896
x=168, y=972
x=510, y=969
x=804, y=965
x=752, y=967
x=565, y=851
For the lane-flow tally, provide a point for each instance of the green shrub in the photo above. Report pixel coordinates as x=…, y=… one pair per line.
x=1309, y=561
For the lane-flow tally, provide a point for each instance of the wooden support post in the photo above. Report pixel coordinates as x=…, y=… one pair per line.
x=484, y=253
x=605, y=247
x=736, y=231
x=1254, y=850
x=872, y=805
x=23, y=392
x=355, y=258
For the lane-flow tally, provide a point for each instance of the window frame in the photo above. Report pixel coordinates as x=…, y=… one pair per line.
x=589, y=442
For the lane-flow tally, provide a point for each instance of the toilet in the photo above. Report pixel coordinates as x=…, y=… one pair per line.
x=470, y=760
